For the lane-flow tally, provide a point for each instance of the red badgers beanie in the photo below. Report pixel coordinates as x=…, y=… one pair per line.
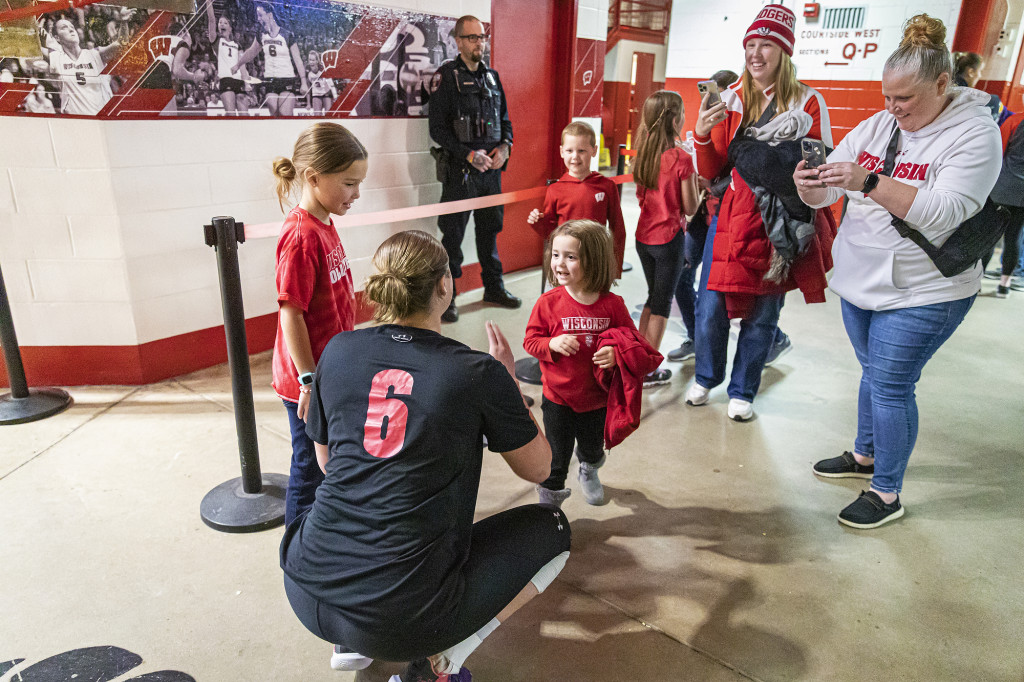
x=774, y=23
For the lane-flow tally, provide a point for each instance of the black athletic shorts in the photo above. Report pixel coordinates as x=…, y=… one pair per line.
x=279, y=86
x=232, y=85
x=507, y=551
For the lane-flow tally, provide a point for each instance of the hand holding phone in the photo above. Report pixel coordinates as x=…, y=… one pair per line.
x=813, y=152
x=709, y=88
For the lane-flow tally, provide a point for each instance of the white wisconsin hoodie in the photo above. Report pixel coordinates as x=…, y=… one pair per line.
x=954, y=162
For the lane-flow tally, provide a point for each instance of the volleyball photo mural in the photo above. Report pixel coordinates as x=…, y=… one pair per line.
x=225, y=58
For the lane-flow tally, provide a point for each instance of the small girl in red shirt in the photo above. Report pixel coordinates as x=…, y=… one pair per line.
x=666, y=187
x=563, y=334
x=314, y=283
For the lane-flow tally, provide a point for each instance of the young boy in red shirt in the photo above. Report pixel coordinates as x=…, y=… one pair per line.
x=581, y=193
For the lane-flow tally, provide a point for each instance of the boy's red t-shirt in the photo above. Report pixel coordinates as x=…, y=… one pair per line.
x=569, y=379
x=595, y=197
x=661, y=210
x=313, y=275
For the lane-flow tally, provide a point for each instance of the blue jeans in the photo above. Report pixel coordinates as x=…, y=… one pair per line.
x=892, y=347
x=305, y=475
x=757, y=334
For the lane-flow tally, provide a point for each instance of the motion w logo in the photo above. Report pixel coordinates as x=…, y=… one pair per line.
x=160, y=47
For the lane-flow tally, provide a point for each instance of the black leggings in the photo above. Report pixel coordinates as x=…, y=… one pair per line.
x=564, y=428
x=662, y=264
x=507, y=550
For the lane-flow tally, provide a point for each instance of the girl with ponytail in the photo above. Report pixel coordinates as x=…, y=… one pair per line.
x=666, y=187
x=314, y=285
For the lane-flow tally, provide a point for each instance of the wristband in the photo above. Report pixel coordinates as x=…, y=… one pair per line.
x=305, y=389
x=305, y=379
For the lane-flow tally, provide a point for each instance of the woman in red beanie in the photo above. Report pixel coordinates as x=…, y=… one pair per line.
x=769, y=102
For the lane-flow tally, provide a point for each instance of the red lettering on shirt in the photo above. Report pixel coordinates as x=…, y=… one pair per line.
x=869, y=162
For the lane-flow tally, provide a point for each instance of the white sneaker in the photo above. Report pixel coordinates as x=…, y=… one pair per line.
x=740, y=410
x=696, y=394
x=348, y=660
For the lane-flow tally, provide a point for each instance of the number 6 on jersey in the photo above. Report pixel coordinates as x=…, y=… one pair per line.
x=382, y=438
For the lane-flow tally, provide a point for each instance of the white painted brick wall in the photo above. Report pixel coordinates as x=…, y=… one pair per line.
x=101, y=238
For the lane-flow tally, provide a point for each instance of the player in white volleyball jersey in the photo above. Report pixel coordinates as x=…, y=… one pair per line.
x=284, y=74
x=321, y=90
x=84, y=88
x=231, y=82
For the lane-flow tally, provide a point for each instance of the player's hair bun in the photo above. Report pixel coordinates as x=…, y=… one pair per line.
x=409, y=267
x=924, y=31
x=284, y=169
x=391, y=292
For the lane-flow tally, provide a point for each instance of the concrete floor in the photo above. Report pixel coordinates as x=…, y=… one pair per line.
x=718, y=557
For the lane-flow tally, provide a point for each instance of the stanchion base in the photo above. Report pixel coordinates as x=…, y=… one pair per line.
x=228, y=508
x=40, y=404
x=528, y=371
x=626, y=267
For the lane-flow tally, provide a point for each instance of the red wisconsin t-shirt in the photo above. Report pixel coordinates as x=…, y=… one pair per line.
x=661, y=210
x=595, y=197
x=313, y=275
x=569, y=379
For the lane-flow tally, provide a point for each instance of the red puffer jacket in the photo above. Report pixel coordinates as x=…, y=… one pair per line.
x=742, y=252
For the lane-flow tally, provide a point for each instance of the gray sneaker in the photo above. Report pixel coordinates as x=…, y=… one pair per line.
x=553, y=497
x=593, y=491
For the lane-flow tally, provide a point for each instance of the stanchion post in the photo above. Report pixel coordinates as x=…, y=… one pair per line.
x=228, y=235
x=256, y=500
x=21, y=404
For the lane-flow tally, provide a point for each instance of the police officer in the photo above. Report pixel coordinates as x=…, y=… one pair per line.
x=469, y=120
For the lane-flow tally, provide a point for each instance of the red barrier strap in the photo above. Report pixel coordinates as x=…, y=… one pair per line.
x=398, y=215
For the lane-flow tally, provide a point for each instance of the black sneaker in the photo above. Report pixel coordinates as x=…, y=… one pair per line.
x=843, y=466
x=657, y=378
x=684, y=352
x=993, y=273
x=451, y=314
x=868, y=511
x=1001, y=291
x=502, y=297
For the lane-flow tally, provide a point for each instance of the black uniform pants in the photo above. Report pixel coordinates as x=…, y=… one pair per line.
x=506, y=552
x=488, y=222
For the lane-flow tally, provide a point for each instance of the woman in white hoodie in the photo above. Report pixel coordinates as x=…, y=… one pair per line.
x=943, y=150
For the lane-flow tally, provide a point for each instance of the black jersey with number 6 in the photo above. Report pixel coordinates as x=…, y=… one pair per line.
x=404, y=412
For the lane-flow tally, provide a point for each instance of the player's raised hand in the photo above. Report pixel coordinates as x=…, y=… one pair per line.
x=497, y=346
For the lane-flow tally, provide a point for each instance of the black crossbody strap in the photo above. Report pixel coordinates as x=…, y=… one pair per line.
x=904, y=230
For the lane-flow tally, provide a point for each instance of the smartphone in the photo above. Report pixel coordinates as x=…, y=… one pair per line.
x=709, y=88
x=813, y=152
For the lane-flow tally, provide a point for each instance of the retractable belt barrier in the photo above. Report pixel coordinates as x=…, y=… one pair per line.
x=255, y=501
x=398, y=215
